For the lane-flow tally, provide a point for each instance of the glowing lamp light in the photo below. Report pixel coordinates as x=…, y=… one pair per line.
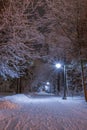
x=47, y=83
x=58, y=65
x=46, y=87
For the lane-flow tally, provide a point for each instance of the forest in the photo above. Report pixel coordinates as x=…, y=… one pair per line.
x=35, y=34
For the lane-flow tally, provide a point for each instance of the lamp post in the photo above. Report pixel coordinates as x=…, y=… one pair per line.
x=58, y=66
x=65, y=87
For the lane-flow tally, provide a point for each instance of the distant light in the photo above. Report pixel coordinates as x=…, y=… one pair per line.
x=47, y=83
x=46, y=87
x=58, y=65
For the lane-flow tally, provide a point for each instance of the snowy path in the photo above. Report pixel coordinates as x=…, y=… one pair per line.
x=49, y=113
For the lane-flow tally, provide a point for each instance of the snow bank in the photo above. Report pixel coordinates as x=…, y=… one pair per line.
x=7, y=105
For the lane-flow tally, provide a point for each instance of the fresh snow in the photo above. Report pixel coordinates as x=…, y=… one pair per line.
x=42, y=112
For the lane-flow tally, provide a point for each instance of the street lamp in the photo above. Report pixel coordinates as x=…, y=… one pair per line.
x=65, y=87
x=58, y=66
x=47, y=83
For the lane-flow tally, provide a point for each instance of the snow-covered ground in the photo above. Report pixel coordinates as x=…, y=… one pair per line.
x=42, y=112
